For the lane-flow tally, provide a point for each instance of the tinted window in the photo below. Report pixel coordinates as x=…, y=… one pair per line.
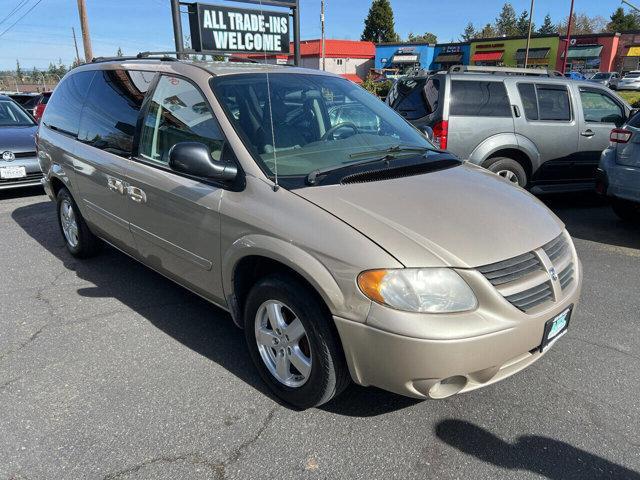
x=553, y=103
x=600, y=108
x=479, y=99
x=64, y=108
x=177, y=113
x=529, y=100
x=111, y=110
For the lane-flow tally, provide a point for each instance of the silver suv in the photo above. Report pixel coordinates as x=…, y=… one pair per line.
x=333, y=232
x=538, y=130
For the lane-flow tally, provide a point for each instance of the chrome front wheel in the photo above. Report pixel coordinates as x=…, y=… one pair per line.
x=508, y=175
x=283, y=343
x=69, y=223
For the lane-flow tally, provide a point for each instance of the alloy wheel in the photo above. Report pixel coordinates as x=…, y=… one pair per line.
x=69, y=223
x=509, y=175
x=283, y=343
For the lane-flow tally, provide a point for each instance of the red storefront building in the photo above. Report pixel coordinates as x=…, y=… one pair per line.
x=590, y=53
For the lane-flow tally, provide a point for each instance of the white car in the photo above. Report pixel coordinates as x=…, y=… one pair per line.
x=631, y=81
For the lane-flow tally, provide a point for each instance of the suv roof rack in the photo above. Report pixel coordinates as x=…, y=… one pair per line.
x=166, y=57
x=541, y=72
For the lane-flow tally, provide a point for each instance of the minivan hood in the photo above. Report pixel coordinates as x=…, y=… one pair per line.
x=461, y=217
x=18, y=139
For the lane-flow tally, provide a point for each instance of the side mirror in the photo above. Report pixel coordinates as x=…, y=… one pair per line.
x=427, y=132
x=194, y=158
x=633, y=112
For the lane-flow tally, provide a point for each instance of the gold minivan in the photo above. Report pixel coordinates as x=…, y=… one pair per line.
x=334, y=233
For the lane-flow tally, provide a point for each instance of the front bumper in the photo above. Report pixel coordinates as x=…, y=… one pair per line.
x=467, y=351
x=32, y=168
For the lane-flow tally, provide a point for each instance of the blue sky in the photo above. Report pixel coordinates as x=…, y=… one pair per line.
x=135, y=25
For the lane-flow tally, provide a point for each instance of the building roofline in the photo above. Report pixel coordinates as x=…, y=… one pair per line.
x=519, y=37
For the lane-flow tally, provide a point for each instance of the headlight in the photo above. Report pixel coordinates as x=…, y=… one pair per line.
x=424, y=290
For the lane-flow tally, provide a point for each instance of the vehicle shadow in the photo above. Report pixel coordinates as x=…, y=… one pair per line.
x=184, y=316
x=542, y=455
x=590, y=217
x=21, y=192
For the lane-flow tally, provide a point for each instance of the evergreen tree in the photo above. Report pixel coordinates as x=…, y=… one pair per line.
x=428, y=37
x=469, y=32
x=18, y=69
x=488, y=31
x=522, y=26
x=379, y=25
x=547, y=27
x=506, y=22
x=622, y=22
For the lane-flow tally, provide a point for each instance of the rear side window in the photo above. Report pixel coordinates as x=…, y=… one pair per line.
x=112, y=108
x=479, y=99
x=545, y=102
x=412, y=103
x=64, y=109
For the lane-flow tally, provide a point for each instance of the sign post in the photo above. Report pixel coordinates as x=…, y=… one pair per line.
x=221, y=29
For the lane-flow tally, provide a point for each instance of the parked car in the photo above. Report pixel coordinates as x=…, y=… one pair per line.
x=619, y=170
x=28, y=101
x=607, y=79
x=631, y=81
x=41, y=105
x=18, y=162
x=573, y=75
x=341, y=240
x=538, y=130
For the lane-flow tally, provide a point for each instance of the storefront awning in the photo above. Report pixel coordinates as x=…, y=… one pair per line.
x=450, y=58
x=487, y=56
x=633, y=52
x=587, y=51
x=405, y=59
x=534, y=53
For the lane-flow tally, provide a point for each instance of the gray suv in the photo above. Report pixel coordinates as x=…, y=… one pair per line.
x=343, y=242
x=537, y=130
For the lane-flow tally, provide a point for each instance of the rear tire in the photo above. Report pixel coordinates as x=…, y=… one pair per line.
x=79, y=240
x=508, y=169
x=303, y=385
x=626, y=210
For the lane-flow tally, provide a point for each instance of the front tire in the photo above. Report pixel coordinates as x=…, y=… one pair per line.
x=508, y=169
x=292, y=343
x=626, y=210
x=79, y=240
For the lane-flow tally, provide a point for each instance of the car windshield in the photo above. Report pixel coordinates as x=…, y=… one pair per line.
x=11, y=115
x=313, y=122
x=601, y=76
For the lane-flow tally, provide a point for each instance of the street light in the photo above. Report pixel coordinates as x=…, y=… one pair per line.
x=631, y=5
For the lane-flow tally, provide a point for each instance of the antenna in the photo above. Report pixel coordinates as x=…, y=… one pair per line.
x=276, y=186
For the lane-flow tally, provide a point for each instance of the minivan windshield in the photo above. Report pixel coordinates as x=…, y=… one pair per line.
x=313, y=122
x=11, y=115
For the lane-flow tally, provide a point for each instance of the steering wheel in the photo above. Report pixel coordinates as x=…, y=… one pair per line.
x=337, y=127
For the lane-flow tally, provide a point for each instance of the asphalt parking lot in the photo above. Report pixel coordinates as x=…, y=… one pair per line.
x=107, y=370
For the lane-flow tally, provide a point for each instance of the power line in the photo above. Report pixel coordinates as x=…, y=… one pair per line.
x=15, y=9
x=24, y=15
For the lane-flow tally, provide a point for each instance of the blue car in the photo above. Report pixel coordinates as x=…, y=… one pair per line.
x=575, y=76
x=619, y=170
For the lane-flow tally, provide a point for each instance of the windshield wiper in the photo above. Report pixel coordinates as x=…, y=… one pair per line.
x=384, y=155
x=393, y=151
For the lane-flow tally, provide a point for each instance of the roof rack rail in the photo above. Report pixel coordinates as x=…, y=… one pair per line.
x=166, y=57
x=540, y=72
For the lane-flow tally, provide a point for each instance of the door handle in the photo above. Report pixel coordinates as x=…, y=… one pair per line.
x=137, y=194
x=516, y=111
x=115, y=185
x=588, y=133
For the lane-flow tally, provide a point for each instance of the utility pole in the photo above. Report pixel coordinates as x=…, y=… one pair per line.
x=566, y=45
x=324, y=60
x=526, y=53
x=84, y=25
x=177, y=27
x=75, y=43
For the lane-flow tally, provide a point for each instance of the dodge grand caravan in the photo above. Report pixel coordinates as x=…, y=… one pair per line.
x=540, y=131
x=343, y=242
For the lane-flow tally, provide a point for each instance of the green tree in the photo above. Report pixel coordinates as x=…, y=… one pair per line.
x=506, y=22
x=18, y=69
x=488, y=31
x=547, y=27
x=522, y=25
x=119, y=53
x=622, y=22
x=469, y=32
x=428, y=37
x=379, y=25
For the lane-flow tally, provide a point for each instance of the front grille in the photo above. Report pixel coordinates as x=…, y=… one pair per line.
x=526, y=280
x=511, y=270
x=532, y=297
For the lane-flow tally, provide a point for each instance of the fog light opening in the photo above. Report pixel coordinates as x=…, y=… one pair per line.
x=448, y=386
